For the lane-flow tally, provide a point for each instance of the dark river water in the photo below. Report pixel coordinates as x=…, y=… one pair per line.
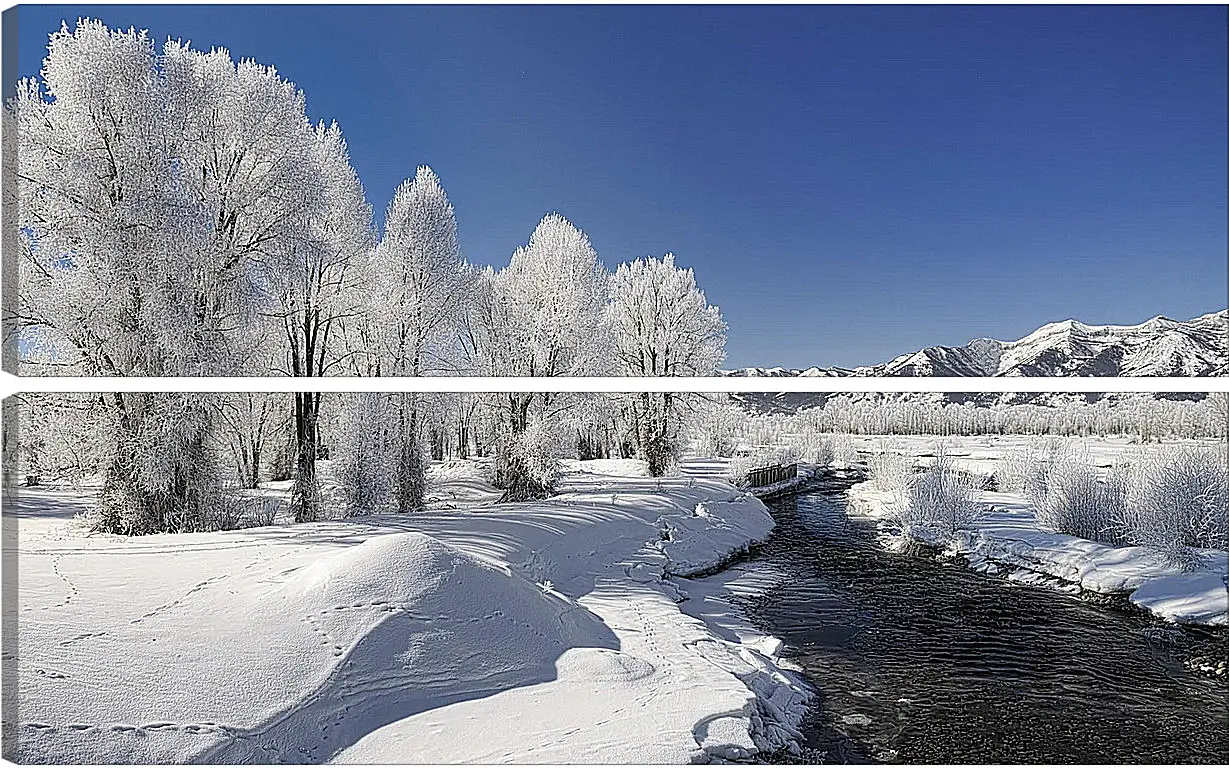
x=919, y=660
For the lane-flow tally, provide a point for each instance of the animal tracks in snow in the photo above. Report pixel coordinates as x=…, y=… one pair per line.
x=207, y=728
x=179, y=600
x=316, y=620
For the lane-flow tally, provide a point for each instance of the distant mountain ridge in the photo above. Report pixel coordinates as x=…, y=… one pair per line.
x=1157, y=347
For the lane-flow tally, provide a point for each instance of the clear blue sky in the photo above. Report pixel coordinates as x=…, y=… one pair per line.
x=849, y=183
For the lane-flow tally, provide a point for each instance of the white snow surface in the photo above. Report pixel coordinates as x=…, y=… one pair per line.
x=547, y=632
x=1008, y=537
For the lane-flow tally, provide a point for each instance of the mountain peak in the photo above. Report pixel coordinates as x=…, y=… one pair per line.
x=1157, y=347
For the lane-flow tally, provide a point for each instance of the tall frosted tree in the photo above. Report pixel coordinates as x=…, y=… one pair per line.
x=152, y=189
x=318, y=278
x=662, y=325
x=546, y=315
x=423, y=283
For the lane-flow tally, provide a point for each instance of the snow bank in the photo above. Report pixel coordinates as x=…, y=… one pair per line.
x=538, y=632
x=1009, y=535
x=711, y=535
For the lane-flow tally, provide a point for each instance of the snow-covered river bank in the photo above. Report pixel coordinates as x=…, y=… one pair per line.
x=535, y=632
x=1007, y=539
x=917, y=658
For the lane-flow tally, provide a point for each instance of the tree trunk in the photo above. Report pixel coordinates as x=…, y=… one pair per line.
x=411, y=471
x=305, y=495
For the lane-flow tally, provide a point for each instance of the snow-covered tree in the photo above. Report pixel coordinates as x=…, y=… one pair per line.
x=663, y=326
x=318, y=279
x=152, y=191
x=545, y=316
x=152, y=188
x=422, y=284
x=422, y=281
x=248, y=422
x=365, y=451
x=162, y=477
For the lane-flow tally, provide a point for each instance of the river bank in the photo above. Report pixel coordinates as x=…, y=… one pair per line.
x=1007, y=539
x=919, y=659
x=402, y=638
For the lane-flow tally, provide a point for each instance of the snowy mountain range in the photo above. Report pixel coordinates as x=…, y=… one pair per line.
x=1158, y=347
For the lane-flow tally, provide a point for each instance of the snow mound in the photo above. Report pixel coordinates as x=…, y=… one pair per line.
x=416, y=624
x=300, y=670
x=603, y=665
x=1201, y=597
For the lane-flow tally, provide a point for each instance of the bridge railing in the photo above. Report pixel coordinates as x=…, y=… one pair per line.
x=771, y=475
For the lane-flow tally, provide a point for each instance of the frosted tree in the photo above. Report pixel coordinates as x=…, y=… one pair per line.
x=105, y=222
x=318, y=279
x=545, y=316
x=663, y=326
x=249, y=421
x=161, y=476
x=152, y=190
x=365, y=440
x=422, y=284
x=62, y=436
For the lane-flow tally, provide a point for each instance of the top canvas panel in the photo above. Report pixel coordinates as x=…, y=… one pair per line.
x=664, y=191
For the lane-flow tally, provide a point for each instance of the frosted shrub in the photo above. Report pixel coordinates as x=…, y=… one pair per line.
x=1177, y=502
x=1014, y=470
x=365, y=461
x=814, y=449
x=740, y=467
x=1075, y=501
x=162, y=477
x=1028, y=472
x=262, y=511
x=844, y=453
x=889, y=471
x=527, y=465
x=940, y=495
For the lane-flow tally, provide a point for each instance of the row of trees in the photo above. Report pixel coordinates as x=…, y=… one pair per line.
x=1142, y=417
x=180, y=215
x=233, y=443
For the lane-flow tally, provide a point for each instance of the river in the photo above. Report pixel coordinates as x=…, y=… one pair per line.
x=921, y=660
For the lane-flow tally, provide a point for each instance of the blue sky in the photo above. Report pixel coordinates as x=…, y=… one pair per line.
x=849, y=183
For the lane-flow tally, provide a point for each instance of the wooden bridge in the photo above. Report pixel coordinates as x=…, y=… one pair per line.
x=764, y=476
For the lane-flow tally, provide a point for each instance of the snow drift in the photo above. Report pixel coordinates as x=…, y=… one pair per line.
x=537, y=632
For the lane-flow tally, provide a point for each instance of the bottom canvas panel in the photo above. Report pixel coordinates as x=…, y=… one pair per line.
x=637, y=578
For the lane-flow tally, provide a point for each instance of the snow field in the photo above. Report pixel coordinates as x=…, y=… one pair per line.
x=535, y=632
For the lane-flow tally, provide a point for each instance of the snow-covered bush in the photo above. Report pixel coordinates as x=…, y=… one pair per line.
x=740, y=467
x=161, y=478
x=365, y=457
x=815, y=449
x=1014, y=470
x=261, y=511
x=889, y=471
x=1177, y=501
x=1028, y=471
x=527, y=465
x=940, y=495
x=844, y=452
x=1072, y=499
